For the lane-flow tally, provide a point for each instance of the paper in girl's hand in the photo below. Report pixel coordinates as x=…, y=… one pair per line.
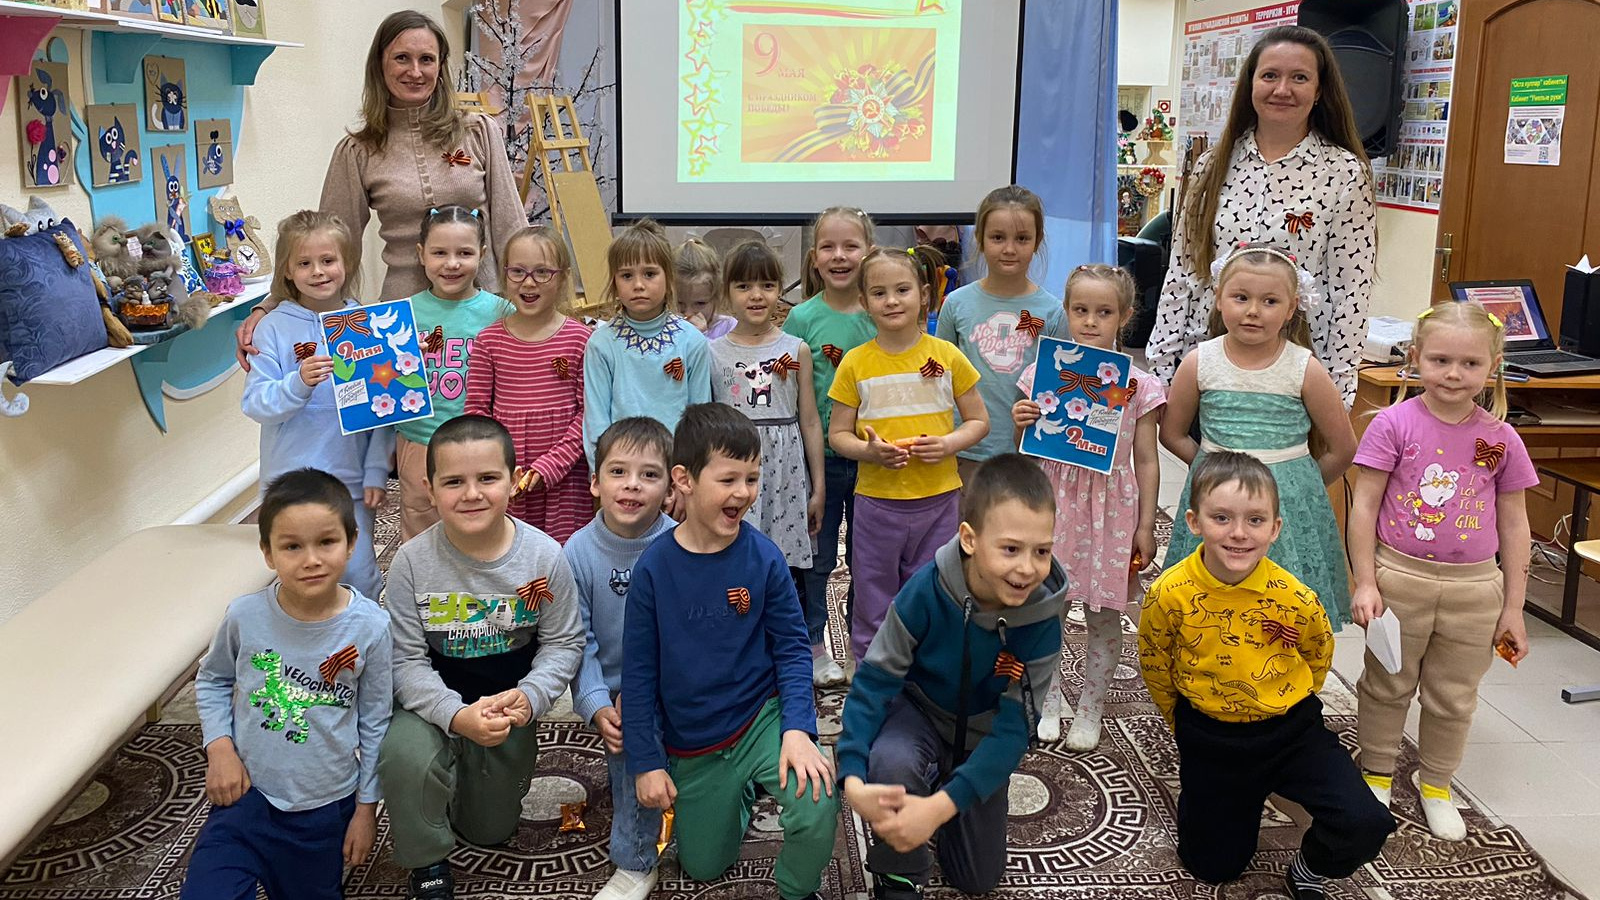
x=1082, y=392
x=1383, y=641
x=379, y=374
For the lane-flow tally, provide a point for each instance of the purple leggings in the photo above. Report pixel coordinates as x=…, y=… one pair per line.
x=892, y=539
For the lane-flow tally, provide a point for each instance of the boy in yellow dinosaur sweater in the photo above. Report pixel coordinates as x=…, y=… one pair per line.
x=1234, y=649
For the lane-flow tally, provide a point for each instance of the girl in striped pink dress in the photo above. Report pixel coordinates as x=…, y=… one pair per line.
x=527, y=372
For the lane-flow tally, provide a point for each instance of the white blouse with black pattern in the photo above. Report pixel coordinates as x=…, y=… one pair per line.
x=1316, y=203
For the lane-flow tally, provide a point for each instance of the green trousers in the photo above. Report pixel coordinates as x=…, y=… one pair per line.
x=713, y=810
x=437, y=786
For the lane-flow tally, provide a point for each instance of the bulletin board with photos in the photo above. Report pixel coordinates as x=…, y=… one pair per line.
x=1413, y=176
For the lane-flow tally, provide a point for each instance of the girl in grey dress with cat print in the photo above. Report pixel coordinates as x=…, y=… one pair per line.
x=766, y=374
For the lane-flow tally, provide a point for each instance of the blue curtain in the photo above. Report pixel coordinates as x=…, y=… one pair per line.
x=1066, y=136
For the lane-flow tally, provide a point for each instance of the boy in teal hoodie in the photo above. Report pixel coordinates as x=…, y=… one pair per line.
x=951, y=677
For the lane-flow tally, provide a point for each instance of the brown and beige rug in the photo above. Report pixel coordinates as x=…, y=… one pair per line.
x=1097, y=826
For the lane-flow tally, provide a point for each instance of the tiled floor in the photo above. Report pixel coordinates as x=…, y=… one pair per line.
x=1532, y=760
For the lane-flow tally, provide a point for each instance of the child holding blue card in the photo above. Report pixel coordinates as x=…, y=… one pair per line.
x=1105, y=523
x=289, y=388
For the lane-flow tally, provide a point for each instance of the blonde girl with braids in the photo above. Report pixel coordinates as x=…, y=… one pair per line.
x=1258, y=391
x=1438, y=497
x=1105, y=524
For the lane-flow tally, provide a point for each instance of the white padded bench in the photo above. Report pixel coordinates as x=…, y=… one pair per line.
x=84, y=662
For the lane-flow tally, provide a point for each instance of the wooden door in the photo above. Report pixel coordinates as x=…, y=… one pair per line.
x=1513, y=221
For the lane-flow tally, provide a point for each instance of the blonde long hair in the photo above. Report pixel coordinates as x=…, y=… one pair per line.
x=1331, y=118
x=443, y=126
x=293, y=231
x=1465, y=314
x=810, y=280
x=551, y=240
x=1264, y=256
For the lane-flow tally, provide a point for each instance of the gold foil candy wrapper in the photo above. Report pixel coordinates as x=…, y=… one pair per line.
x=666, y=832
x=572, y=817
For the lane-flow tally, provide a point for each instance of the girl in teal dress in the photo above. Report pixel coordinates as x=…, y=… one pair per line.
x=1257, y=389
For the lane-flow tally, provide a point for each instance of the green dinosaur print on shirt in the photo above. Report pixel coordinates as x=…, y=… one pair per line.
x=284, y=703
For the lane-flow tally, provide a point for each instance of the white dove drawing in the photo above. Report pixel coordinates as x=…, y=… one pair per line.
x=1065, y=357
x=398, y=338
x=384, y=320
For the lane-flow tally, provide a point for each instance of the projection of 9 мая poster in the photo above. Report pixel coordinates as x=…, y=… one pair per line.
x=780, y=91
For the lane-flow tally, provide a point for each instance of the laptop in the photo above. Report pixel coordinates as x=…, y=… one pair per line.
x=1529, y=348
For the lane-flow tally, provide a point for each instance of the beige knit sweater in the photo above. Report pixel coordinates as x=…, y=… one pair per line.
x=408, y=177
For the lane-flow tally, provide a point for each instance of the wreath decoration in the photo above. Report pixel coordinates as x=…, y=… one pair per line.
x=1151, y=180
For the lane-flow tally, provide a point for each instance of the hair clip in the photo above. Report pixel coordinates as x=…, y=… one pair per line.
x=474, y=213
x=434, y=211
x=1498, y=324
x=1424, y=314
x=911, y=252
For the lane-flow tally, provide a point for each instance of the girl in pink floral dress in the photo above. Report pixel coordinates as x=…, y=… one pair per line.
x=1105, y=524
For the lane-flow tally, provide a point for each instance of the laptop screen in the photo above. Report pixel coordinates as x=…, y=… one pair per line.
x=1514, y=302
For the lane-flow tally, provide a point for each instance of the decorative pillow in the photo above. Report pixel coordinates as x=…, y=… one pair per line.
x=49, y=312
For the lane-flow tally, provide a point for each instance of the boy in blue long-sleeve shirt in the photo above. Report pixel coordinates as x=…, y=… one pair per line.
x=716, y=673
x=297, y=681
x=630, y=481
x=941, y=709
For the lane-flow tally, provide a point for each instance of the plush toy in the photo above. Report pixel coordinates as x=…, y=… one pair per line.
x=116, y=332
x=110, y=247
x=37, y=217
x=160, y=264
x=245, y=248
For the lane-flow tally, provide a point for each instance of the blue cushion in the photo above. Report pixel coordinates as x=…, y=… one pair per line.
x=49, y=312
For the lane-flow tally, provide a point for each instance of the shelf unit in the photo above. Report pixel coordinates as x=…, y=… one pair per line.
x=91, y=364
x=128, y=41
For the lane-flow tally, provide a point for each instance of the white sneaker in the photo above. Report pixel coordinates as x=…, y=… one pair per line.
x=1444, y=820
x=1084, y=735
x=1380, y=790
x=626, y=885
x=1050, y=716
x=826, y=672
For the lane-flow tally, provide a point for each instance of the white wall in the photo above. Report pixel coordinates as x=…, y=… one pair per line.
x=1405, y=238
x=86, y=466
x=1144, y=45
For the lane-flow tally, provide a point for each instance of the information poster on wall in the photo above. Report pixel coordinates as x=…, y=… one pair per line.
x=1534, y=123
x=1410, y=178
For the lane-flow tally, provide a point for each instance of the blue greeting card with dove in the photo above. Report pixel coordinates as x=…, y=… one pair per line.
x=379, y=377
x=1083, y=393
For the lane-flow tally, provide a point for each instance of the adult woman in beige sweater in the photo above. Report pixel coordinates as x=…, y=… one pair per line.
x=415, y=152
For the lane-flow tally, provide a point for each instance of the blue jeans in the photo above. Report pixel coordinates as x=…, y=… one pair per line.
x=838, y=505
x=634, y=828
x=291, y=854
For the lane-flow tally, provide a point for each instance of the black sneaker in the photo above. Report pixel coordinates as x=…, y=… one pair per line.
x=895, y=887
x=433, y=883
x=1301, y=890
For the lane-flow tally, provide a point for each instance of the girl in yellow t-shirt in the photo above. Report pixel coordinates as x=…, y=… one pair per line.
x=894, y=404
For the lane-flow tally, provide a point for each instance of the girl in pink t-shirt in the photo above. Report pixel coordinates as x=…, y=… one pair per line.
x=1438, y=495
x=1105, y=524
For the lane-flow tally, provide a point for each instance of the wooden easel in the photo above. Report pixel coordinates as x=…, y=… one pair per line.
x=562, y=153
x=478, y=102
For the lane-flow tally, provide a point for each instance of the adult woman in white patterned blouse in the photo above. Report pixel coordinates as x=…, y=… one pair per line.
x=1288, y=169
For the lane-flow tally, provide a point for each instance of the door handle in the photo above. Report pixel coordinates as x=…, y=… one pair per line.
x=1444, y=251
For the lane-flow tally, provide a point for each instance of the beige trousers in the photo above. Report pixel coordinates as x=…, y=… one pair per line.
x=1447, y=614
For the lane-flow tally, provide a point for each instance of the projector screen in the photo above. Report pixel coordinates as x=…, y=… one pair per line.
x=774, y=109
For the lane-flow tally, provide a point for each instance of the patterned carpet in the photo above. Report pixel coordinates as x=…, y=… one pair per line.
x=1099, y=825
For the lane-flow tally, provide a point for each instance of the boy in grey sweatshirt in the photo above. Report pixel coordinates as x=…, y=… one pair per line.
x=630, y=480
x=487, y=635
x=296, y=682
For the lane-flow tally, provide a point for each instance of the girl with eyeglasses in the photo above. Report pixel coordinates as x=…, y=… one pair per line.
x=527, y=372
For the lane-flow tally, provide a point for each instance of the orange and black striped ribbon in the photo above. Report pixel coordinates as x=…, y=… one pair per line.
x=785, y=364
x=1008, y=666
x=333, y=665
x=739, y=599
x=932, y=368
x=562, y=366
x=833, y=354
x=674, y=367
x=435, y=341
x=304, y=350
x=1030, y=324
x=537, y=592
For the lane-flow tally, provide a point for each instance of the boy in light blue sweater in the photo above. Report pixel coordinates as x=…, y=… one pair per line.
x=289, y=389
x=296, y=683
x=630, y=481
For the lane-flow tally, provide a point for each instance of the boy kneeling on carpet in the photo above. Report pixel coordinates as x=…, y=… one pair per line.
x=486, y=637
x=716, y=669
x=962, y=661
x=1234, y=649
x=296, y=682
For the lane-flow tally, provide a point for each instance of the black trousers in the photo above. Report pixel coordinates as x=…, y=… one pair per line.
x=1227, y=769
x=971, y=847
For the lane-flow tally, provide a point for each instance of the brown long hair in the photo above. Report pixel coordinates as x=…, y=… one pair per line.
x=1331, y=119
x=442, y=125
